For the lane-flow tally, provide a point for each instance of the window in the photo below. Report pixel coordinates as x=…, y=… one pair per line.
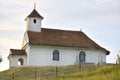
x=56, y=55
x=34, y=20
x=82, y=56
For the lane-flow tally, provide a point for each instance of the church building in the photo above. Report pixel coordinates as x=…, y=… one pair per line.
x=54, y=47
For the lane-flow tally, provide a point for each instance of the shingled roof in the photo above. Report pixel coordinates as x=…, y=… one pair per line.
x=34, y=13
x=17, y=52
x=52, y=37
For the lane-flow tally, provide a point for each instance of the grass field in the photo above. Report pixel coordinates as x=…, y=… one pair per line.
x=63, y=73
x=104, y=73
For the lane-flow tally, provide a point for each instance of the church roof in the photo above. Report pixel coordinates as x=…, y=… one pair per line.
x=17, y=52
x=52, y=37
x=34, y=13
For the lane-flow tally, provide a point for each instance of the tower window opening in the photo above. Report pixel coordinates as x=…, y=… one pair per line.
x=34, y=21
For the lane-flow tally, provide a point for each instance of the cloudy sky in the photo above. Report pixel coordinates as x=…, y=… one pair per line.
x=99, y=19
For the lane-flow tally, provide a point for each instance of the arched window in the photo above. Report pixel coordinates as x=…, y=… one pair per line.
x=34, y=21
x=20, y=61
x=82, y=56
x=56, y=55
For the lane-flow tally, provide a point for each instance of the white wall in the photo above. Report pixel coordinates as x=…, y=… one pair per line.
x=43, y=55
x=93, y=56
x=27, y=47
x=31, y=26
x=14, y=60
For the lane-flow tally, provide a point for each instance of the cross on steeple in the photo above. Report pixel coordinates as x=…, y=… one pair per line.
x=34, y=5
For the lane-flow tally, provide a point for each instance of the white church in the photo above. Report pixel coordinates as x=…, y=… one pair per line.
x=53, y=47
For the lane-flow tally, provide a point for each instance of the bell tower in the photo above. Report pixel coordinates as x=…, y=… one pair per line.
x=33, y=21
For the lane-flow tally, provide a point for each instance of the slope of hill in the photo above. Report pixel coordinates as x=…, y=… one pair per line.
x=104, y=73
x=62, y=73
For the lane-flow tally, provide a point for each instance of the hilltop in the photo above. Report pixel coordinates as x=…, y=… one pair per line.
x=60, y=73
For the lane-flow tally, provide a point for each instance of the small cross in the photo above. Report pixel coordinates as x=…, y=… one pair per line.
x=34, y=5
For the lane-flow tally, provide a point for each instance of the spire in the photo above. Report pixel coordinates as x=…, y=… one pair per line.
x=34, y=13
x=34, y=21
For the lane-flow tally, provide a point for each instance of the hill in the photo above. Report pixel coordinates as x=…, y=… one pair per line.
x=104, y=73
x=60, y=73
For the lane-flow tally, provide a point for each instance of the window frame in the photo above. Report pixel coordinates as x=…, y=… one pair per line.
x=56, y=52
x=83, y=56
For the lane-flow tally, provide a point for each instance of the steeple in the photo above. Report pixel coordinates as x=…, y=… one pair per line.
x=34, y=13
x=33, y=21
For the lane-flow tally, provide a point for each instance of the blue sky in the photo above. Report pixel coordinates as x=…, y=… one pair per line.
x=99, y=19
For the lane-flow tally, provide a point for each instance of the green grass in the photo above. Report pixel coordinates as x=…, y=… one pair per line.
x=63, y=73
x=104, y=73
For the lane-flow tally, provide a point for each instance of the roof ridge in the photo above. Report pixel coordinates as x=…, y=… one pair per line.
x=56, y=30
x=60, y=30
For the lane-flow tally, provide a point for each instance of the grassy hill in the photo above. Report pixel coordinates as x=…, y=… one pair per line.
x=104, y=73
x=63, y=73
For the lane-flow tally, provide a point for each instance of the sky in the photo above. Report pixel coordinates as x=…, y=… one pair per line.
x=99, y=19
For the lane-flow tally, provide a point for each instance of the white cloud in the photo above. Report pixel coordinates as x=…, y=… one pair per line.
x=6, y=28
x=5, y=45
x=4, y=64
x=104, y=1
x=4, y=53
x=113, y=56
x=10, y=43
